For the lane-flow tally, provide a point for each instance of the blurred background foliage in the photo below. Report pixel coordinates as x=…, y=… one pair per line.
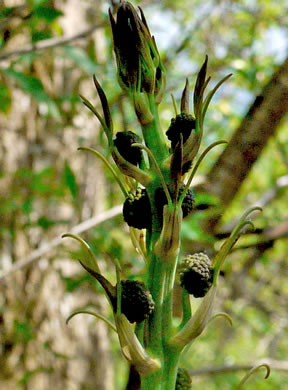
x=49, y=50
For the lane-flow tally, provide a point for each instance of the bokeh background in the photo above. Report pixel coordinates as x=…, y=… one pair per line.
x=49, y=51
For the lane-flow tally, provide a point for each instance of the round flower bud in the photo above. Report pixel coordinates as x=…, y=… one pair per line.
x=182, y=124
x=137, y=211
x=123, y=142
x=187, y=204
x=196, y=274
x=183, y=381
x=136, y=301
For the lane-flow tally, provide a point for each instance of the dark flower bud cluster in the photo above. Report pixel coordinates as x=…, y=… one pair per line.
x=183, y=125
x=136, y=301
x=183, y=381
x=123, y=142
x=136, y=52
x=137, y=211
x=187, y=204
x=196, y=274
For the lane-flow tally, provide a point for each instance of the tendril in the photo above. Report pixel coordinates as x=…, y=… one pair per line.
x=99, y=316
x=251, y=372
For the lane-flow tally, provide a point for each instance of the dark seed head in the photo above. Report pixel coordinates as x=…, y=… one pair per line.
x=137, y=211
x=182, y=124
x=196, y=274
x=183, y=381
x=123, y=142
x=136, y=301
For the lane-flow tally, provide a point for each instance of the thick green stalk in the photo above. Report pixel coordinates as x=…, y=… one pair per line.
x=170, y=369
x=156, y=280
x=153, y=134
x=153, y=328
x=167, y=312
x=159, y=327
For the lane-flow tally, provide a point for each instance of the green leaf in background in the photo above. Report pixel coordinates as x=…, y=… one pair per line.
x=80, y=58
x=70, y=180
x=47, y=13
x=34, y=87
x=40, y=36
x=5, y=97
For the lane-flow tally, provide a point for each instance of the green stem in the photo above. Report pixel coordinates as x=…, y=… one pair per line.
x=152, y=382
x=153, y=134
x=167, y=313
x=170, y=370
x=157, y=170
x=156, y=281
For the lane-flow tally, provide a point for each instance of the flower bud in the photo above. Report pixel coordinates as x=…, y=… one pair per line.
x=183, y=381
x=137, y=211
x=123, y=142
x=136, y=53
x=136, y=301
x=182, y=124
x=196, y=274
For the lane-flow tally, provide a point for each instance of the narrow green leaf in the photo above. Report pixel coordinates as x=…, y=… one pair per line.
x=104, y=102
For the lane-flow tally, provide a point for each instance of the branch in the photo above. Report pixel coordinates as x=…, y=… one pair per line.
x=45, y=248
x=49, y=43
x=279, y=365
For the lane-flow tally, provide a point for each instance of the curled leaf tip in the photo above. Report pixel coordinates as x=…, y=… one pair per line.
x=252, y=372
x=245, y=223
x=224, y=315
x=99, y=316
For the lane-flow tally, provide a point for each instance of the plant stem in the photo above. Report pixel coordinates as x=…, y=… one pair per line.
x=153, y=134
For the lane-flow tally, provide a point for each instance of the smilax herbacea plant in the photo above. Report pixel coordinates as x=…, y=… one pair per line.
x=157, y=198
